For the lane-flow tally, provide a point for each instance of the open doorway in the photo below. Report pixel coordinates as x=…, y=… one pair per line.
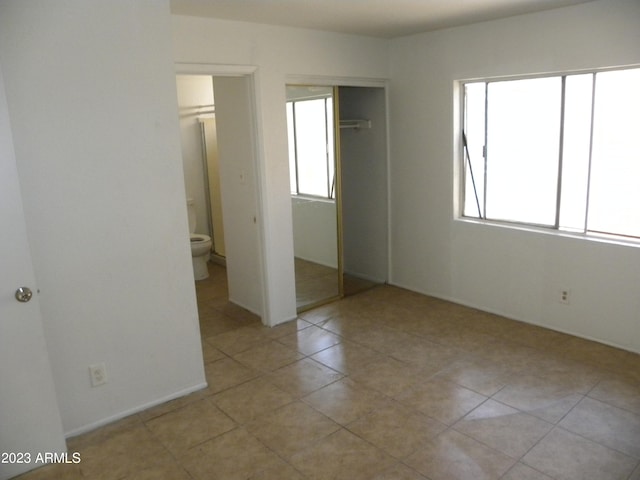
x=218, y=146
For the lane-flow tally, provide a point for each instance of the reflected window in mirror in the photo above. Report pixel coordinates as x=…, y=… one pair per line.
x=311, y=149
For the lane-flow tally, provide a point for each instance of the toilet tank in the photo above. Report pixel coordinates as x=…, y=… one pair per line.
x=191, y=212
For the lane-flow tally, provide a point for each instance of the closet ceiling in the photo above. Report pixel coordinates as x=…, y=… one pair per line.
x=376, y=18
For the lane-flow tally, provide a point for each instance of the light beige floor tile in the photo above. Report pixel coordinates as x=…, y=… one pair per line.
x=521, y=471
x=574, y=376
x=322, y=313
x=484, y=377
x=490, y=323
x=613, y=359
x=567, y=456
x=310, y=340
x=303, y=377
x=236, y=455
x=341, y=456
x=388, y=375
x=425, y=323
x=536, y=337
x=279, y=471
x=345, y=401
x=122, y=454
x=169, y=470
x=241, y=315
x=463, y=339
x=195, y=423
x=396, y=429
x=426, y=354
x=347, y=326
x=54, y=472
x=620, y=392
x=213, y=321
x=100, y=435
x=454, y=456
x=400, y=472
x=503, y=428
x=539, y=397
x=292, y=428
x=283, y=329
x=382, y=339
x=227, y=373
x=533, y=370
x=210, y=353
x=608, y=425
x=502, y=352
x=443, y=401
x=268, y=357
x=248, y=401
x=346, y=357
x=172, y=405
x=238, y=340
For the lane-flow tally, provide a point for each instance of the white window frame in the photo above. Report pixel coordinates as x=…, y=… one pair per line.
x=462, y=158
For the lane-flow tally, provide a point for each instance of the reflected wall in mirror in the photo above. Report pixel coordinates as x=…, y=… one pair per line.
x=314, y=195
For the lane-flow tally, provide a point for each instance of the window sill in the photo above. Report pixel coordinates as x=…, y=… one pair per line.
x=588, y=237
x=311, y=198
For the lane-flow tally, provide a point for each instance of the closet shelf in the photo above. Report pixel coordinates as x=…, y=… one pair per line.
x=356, y=124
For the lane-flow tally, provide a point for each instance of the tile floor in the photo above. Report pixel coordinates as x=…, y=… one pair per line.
x=383, y=385
x=317, y=283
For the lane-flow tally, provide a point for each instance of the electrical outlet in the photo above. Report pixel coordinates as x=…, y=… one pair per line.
x=98, y=374
x=564, y=296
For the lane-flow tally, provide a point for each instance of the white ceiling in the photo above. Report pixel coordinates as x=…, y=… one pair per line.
x=377, y=18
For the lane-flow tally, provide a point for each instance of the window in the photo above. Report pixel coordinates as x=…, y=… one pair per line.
x=557, y=151
x=311, y=159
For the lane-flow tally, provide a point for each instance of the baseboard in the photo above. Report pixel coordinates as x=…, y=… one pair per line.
x=138, y=409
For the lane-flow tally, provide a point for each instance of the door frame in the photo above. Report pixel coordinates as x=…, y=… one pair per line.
x=250, y=72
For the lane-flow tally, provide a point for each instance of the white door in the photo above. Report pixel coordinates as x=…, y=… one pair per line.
x=29, y=416
x=237, y=164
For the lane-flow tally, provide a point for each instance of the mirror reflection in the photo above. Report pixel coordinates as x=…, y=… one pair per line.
x=312, y=166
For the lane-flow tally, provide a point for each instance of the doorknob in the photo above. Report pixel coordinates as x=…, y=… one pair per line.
x=24, y=294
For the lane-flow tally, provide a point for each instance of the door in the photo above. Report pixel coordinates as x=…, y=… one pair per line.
x=312, y=113
x=237, y=166
x=29, y=417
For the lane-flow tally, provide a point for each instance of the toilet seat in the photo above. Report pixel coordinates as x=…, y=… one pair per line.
x=196, y=237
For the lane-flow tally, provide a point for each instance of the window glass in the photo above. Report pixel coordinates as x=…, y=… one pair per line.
x=311, y=147
x=523, y=128
x=293, y=169
x=474, y=156
x=331, y=164
x=559, y=151
x=614, y=201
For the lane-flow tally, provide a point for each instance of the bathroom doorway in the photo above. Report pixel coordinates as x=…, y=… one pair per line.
x=218, y=146
x=199, y=141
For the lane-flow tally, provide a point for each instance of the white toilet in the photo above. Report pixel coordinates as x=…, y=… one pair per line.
x=200, y=245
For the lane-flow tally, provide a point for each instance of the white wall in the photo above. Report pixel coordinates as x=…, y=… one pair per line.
x=515, y=273
x=315, y=230
x=194, y=91
x=92, y=101
x=280, y=55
